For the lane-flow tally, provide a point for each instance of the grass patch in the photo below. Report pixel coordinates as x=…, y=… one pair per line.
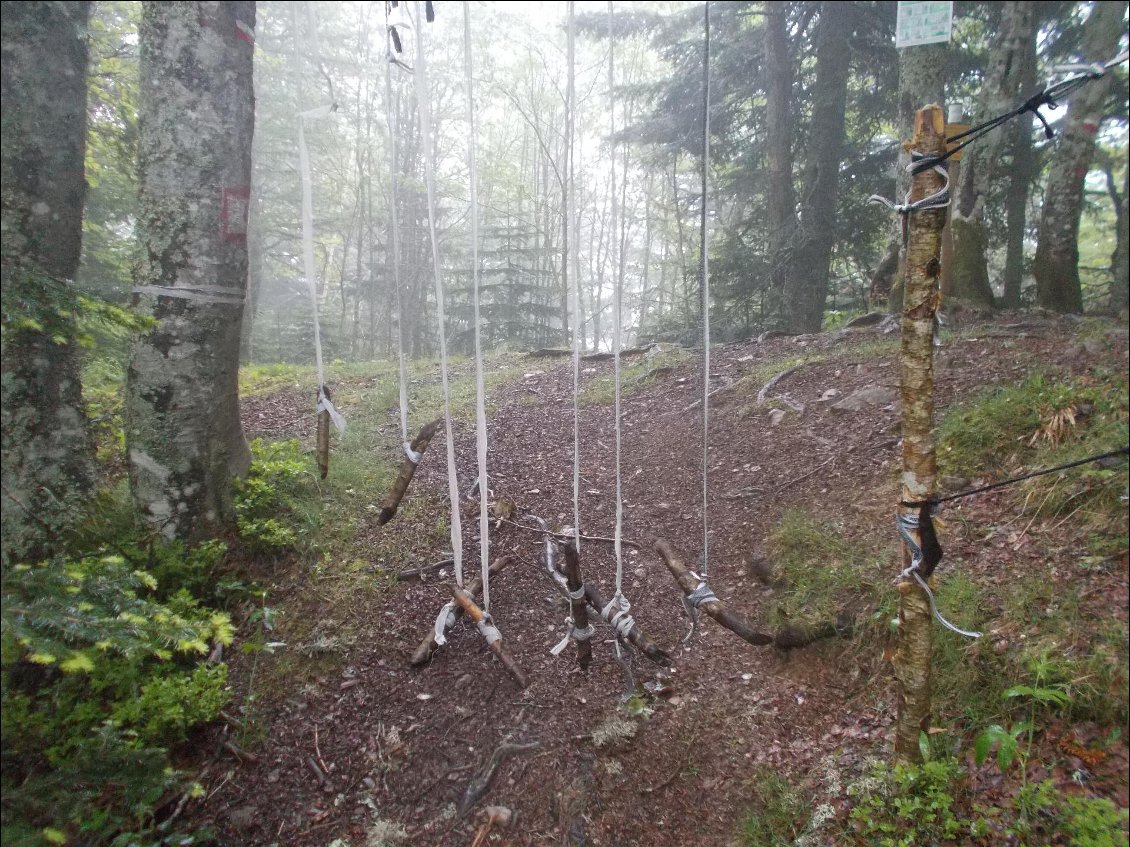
x=634, y=379
x=778, y=814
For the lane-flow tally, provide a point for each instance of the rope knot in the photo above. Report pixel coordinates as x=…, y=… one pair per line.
x=488, y=630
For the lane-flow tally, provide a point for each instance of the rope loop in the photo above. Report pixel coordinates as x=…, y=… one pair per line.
x=906, y=524
x=940, y=199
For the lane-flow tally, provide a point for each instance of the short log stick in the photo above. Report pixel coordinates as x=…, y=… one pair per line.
x=323, y=436
x=714, y=608
x=407, y=471
x=424, y=652
x=635, y=635
x=467, y=603
x=579, y=608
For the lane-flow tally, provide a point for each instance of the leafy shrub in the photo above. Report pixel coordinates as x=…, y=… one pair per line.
x=908, y=805
x=268, y=502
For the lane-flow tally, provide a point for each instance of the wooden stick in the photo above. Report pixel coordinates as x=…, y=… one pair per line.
x=765, y=389
x=323, y=437
x=714, y=608
x=467, y=603
x=579, y=608
x=423, y=653
x=418, y=573
x=635, y=635
x=407, y=471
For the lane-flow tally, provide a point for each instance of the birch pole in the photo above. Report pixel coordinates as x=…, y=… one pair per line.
x=922, y=295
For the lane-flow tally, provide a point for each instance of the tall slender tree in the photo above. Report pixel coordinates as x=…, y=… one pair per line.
x=47, y=456
x=1056, y=265
x=182, y=406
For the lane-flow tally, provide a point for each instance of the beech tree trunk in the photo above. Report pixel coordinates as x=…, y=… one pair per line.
x=1120, y=258
x=817, y=232
x=1056, y=265
x=182, y=404
x=47, y=455
x=912, y=658
x=1023, y=171
x=978, y=167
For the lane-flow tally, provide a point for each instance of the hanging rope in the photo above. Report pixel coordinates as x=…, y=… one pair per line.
x=704, y=242
x=572, y=268
x=421, y=79
x=308, y=268
x=617, y=318
x=480, y=390
x=390, y=112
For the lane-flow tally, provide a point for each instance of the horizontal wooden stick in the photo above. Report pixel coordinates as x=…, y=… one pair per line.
x=423, y=653
x=407, y=471
x=714, y=608
x=467, y=603
x=635, y=635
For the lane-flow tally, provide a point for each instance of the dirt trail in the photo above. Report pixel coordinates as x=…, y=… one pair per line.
x=407, y=742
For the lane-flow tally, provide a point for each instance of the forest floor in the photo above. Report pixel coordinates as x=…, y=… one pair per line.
x=342, y=743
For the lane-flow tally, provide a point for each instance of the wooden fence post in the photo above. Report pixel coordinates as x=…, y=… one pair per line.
x=912, y=657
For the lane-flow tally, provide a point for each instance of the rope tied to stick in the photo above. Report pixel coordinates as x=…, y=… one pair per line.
x=618, y=617
x=940, y=199
x=572, y=633
x=907, y=524
x=691, y=602
x=488, y=630
x=445, y=620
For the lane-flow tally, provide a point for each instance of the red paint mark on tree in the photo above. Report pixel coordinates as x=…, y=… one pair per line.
x=1080, y=172
x=244, y=33
x=234, y=206
x=1090, y=126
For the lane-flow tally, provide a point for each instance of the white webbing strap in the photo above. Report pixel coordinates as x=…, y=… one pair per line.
x=445, y=620
x=324, y=402
x=574, y=271
x=480, y=388
x=618, y=298
x=421, y=77
x=705, y=244
x=402, y=366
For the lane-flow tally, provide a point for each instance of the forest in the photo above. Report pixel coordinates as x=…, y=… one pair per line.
x=565, y=423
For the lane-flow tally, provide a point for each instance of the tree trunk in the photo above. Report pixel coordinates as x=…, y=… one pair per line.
x=182, y=402
x=970, y=234
x=919, y=461
x=1120, y=258
x=1023, y=171
x=780, y=196
x=1056, y=265
x=47, y=455
x=922, y=78
x=825, y=150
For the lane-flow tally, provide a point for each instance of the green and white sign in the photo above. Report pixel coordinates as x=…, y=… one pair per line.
x=923, y=22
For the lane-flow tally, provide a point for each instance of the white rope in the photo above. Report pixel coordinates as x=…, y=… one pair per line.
x=308, y=268
x=705, y=291
x=421, y=77
x=573, y=269
x=480, y=390
x=617, y=297
x=390, y=114
x=908, y=523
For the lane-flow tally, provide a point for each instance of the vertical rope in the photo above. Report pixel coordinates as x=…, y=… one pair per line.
x=421, y=76
x=704, y=243
x=480, y=391
x=390, y=116
x=617, y=297
x=572, y=262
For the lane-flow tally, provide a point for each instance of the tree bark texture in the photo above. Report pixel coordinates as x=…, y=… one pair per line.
x=182, y=401
x=978, y=167
x=714, y=608
x=407, y=470
x=922, y=78
x=919, y=463
x=1056, y=265
x=47, y=454
x=1023, y=171
x=1120, y=258
x=817, y=232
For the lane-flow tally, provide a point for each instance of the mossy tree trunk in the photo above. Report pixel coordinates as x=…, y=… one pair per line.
x=1056, y=265
x=1023, y=171
x=971, y=282
x=780, y=195
x=182, y=407
x=919, y=464
x=47, y=453
x=1120, y=257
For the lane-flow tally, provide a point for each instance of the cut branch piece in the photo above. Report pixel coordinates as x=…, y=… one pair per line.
x=407, y=471
x=484, y=776
x=714, y=608
x=423, y=653
x=579, y=608
x=467, y=603
x=635, y=635
x=323, y=438
x=767, y=387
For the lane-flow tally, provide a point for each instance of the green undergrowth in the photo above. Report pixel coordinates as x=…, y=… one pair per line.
x=107, y=665
x=635, y=378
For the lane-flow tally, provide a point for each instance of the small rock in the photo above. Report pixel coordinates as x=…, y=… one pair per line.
x=830, y=394
x=776, y=416
x=244, y=817
x=953, y=483
x=1000, y=647
x=274, y=775
x=869, y=397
